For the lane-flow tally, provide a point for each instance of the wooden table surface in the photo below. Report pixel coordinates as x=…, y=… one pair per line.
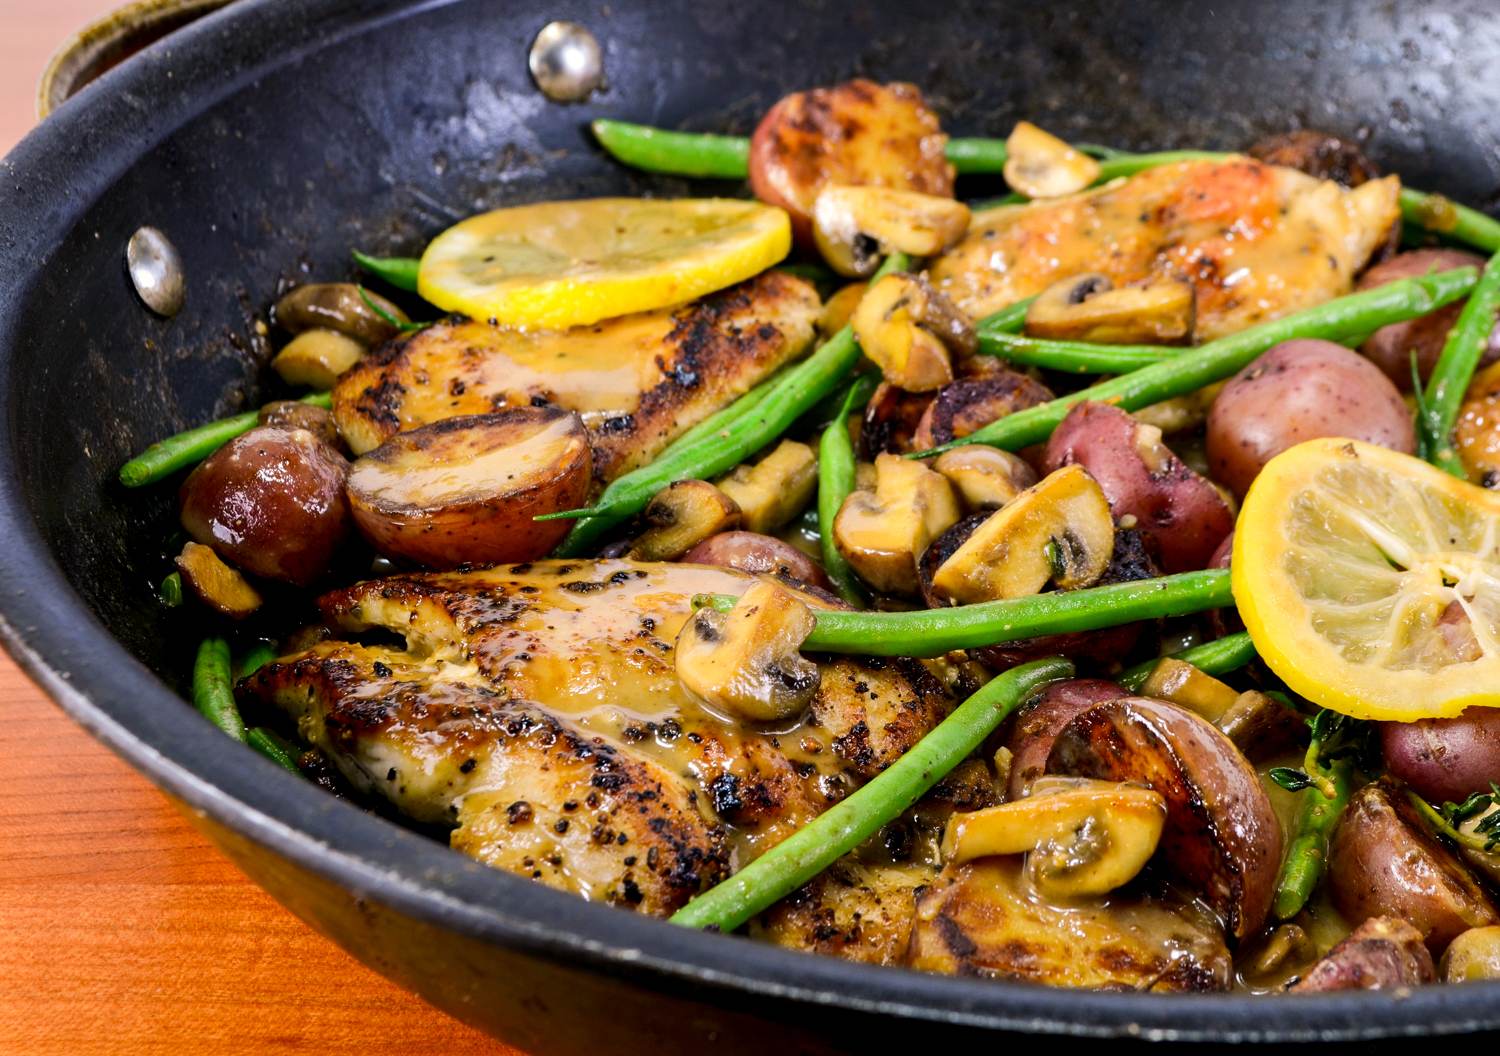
x=122, y=931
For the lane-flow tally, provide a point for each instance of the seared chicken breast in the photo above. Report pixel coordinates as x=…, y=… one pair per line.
x=637, y=381
x=553, y=685
x=1257, y=241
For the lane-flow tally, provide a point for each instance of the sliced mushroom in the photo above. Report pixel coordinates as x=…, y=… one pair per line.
x=216, y=584
x=1222, y=838
x=316, y=358
x=883, y=532
x=745, y=662
x=340, y=306
x=774, y=490
x=1185, y=684
x=294, y=414
x=1039, y=165
x=682, y=515
x=1058, y=530
x=1089, y=308
x=1080, y=837
x=855, y=226
x=908, y=329
x=1262, y=726
x=986, y=477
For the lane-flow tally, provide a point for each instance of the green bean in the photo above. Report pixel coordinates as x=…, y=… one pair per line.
x=1129, y=164
x=676, y=153
x=170, y=591
x=256, y=657
x=795, y=391
x=1435, y=213
x=274, y=747
x=400, y=272
x=836, y=474
x=1077, y=357
x=1216, y=360
x=1008, y=320
x=715, y=423
x=1308, y=852
x=847, y=824
x=1218, y=657
x=166, y=457
x=933, y=632
x=213, y=693
x=1454, y=371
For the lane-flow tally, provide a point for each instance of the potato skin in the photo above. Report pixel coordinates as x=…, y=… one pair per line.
x=890, y=421
x=489, y=521
x=969, y=403
x=1222, y=837
x=1034, y=729
x=858, y=133
x=1384, y=861
x=1182, y=516
x=1380, y=954
x=1445, y=759
x=271, y=503
x=759, y=555
x=1301, y=390
x=294, y=414
x=1390, y=347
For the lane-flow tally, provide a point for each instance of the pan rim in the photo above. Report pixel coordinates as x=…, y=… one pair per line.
x=56, y=638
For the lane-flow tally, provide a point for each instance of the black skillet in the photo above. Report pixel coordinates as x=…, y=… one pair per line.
x=271, y=138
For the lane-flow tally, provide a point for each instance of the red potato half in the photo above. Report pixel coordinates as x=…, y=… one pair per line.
x=270, y=502
x=1383, y=860
x=1390, y=347
x=759, y=555
x=1222, y=838
x=1380, y=954
x=1181, y=514
x=1445, y=759
x=1301, y=390
x=1035, y=728
x=466, y=490
x=858, y=133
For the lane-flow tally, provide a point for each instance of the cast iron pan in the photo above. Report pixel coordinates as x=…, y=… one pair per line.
x=272, y=137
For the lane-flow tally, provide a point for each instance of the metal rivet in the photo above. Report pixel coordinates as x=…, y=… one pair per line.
x=566, y=62
x=156, y=271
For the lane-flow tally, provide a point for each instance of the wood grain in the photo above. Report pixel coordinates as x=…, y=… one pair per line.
x=121, y=929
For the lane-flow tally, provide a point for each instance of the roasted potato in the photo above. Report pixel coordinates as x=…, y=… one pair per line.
x=1301, y=390
x=1383, y=953
x=858, y=134
x=1320, y=154
x=1222, y=837
x=1472, y=956
x=1477, y=434
x=758, y=554
x=1390, y=348
x=1383, y=861
x=270, y=502
x=1032, y=732
x=465, y=490
x=1445, y=759
x=342, y=307
x=972, y=402
x=1181, y=515
x=294, y=414
x=890, y=421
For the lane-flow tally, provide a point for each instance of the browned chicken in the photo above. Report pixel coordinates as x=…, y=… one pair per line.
x=1257, y=241
x=537, y=709
x=638, y=381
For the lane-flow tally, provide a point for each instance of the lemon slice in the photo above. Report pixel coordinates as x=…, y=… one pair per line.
x=1370, y=581
x=560, y=264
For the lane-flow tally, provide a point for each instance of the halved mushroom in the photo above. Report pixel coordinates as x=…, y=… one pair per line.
x=774, y=490
x=1222, y=838
x=855, y=226
x=682, y=515
x=908, y=328
x=216, y=584
x=316, y=358
x=986, y=477
x=1183, y=683
x=1088, y=307
x=745, y=662
x=340, y=306
x=883, y=532
x=1039, y=165
x=1058, y=530
x=1080, y=837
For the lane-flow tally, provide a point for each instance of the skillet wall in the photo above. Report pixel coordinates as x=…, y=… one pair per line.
x=385, y=138
x=404, y=121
